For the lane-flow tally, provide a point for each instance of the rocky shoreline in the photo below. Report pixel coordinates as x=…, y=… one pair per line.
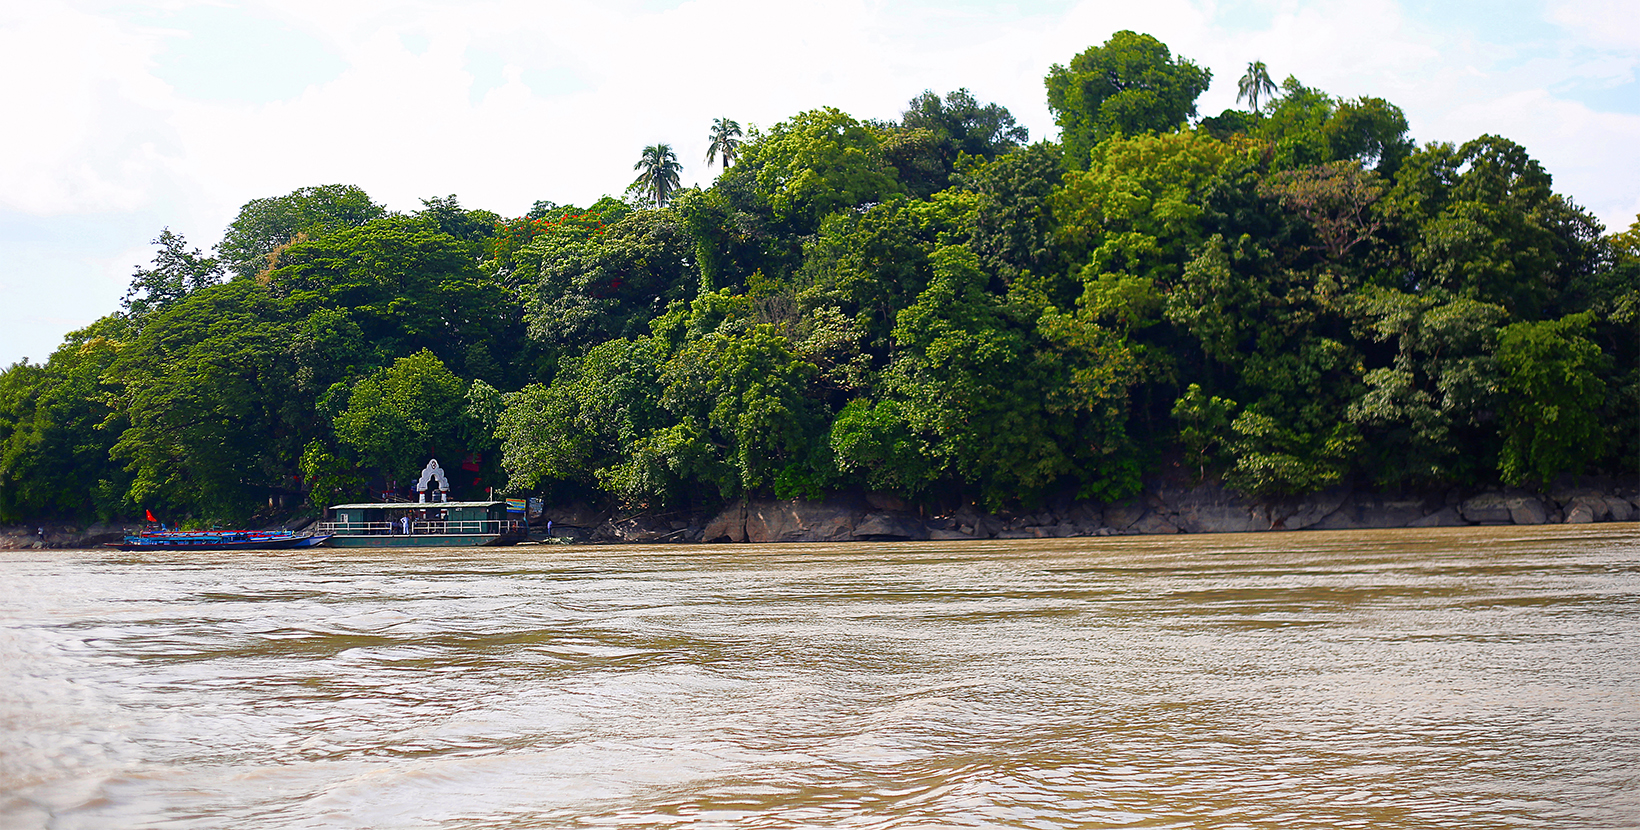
x=1164, y=508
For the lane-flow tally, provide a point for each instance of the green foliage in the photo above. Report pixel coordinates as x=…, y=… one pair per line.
x=56, y=429
x=1426, y=411
x=176, y=272
x=1276, y=338
x=876, y=443
x=935, y=135
x=742, y=395
x=519, y=246
x=1255, y=86
x=205, y=391
x=658, y=178
x=724, y=141
x=405, y=286
x=610, y=284
x=1130, y=85
x=1275, y=457
x=399, y=416
x=871, y=264
x=1307, y=127
x=1291, y=297
x=331, y=478
x=1550, y=415
x=1335, y=198
x=265, y=225
x=817, y=162
x=963, y=125
x=1012, y=225
x=475, y=227
x=1484, y=223
x=1137, y=210
x=588, y=420
x=970, y=389
x=1204, y=426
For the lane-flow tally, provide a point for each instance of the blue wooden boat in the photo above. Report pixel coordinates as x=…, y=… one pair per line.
x=162, y=539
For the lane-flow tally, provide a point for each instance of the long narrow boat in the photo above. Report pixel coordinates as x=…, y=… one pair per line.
x=217, y=540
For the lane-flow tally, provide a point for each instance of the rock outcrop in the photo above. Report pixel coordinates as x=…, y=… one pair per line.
x=57, y=535
x=1167, y=508
x=809, y=521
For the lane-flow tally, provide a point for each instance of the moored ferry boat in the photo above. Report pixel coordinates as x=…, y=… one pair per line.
x=422, y=525
x=163, y=539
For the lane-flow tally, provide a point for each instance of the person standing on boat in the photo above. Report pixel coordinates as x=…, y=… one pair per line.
x=404, y=523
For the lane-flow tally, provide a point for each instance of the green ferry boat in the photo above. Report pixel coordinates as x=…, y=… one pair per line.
x=447, y=524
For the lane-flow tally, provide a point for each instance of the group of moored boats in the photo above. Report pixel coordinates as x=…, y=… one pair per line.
x=434, y=521
x=443, y=524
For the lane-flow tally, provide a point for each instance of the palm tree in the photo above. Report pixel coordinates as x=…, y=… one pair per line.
x=725, y=140
x=1255, y=85
x=660, y=173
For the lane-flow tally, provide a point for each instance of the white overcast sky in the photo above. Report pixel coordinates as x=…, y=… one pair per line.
x=126, y=117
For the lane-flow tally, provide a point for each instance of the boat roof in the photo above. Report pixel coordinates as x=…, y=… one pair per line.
x=417, y=505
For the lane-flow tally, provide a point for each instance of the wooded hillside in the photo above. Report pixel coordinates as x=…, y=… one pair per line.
x=1281, y=297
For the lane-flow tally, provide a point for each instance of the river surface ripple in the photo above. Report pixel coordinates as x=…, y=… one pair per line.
x=1439, y=678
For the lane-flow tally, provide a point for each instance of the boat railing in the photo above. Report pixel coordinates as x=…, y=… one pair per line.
x=422, y=527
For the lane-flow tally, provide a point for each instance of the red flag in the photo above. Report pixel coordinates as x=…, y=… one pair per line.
x=151, y=516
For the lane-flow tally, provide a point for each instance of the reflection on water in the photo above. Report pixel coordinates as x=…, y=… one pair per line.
x=1452, y=678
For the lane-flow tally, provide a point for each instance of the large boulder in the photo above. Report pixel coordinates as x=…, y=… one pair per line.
x=1153, y=524
x=1219, y=518
x=1526, y=510
x=1123, y=516
x=883, y=527
x=1212, y=509
x=1088, y=516
x=1369, y=510
x=1622, y=510
x=986, y=526
x=967, y=519
x=1445, y=517
x=800, y=521
x=727, y=526
x=1308, y=511
x=1487, y=509
x=1583, y=510
x=640, y=528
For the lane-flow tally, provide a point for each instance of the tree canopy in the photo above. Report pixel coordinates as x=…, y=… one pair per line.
x=1283, y=298
x=1130, y=84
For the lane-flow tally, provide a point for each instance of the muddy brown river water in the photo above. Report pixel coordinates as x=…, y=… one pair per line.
x=1455, y=678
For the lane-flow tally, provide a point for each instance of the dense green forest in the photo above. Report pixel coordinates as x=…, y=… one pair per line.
x=1282, y=297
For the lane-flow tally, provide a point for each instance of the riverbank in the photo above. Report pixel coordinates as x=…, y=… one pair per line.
x=72, y=535
x=1165, y=507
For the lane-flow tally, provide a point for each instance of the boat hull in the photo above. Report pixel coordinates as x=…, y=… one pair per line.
x=429, y=540
x=133, y=543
